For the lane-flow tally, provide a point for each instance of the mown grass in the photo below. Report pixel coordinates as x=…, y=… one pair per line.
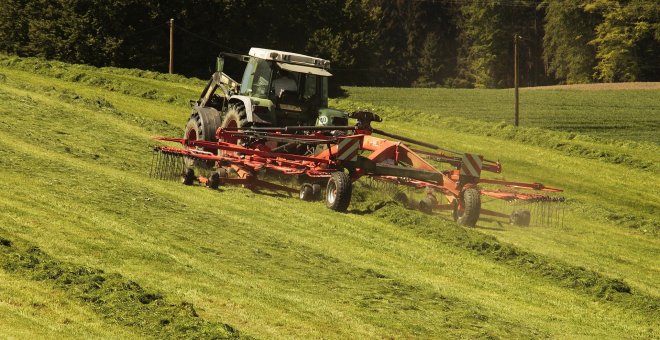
x=74, y=159
x=610, y=114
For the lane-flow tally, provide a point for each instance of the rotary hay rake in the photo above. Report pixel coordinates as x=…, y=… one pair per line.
x=326, y=160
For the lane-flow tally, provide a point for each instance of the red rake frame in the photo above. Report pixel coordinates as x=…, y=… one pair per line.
x=361, y=154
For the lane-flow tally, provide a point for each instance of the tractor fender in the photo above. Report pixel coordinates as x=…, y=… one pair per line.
x=262, y=117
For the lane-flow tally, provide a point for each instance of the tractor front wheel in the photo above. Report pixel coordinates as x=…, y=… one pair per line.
x=471, y=200
x=201, y=127
x=338, y=192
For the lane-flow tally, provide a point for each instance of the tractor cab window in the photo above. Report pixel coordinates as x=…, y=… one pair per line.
x=256, y=78
x=311, y=86
x=316, y=89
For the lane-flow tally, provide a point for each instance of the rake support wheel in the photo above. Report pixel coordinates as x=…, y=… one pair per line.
x=306, y=192
x=338, y=192
x=521, y=217
x=213, y=180
x=471, y=199
x=310, y=192
x=188, y=177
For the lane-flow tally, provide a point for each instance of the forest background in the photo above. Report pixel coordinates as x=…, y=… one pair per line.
x=422, y=43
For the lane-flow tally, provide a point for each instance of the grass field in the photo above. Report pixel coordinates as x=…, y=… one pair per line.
x=631, y=114
x=90, y=246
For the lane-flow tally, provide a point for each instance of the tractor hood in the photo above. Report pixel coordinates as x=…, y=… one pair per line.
x=304, y=69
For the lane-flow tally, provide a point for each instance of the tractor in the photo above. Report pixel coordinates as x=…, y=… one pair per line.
x=278, y=89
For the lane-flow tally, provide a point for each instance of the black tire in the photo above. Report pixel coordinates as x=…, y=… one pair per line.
x=401, y=198
x=521, y=217
x=338, y=192
x=213, y=180
x=316, y=191
x=306, y=192
x=426, y=205
x=188, y=177
x=236, y=117
x=471, y=199
x=201, y=126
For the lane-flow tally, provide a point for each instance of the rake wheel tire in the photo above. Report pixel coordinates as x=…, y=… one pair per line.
x=306, y=192
x=472, y=208
x=310, y=192
x=316, y=191
x=401, y=198
x=426, y=205
x=188, y=177
x=338, y=192
x=521, y=217
x=213, y=180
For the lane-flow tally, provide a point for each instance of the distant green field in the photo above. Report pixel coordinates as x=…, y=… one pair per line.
x=91, y=247
x=618, y=114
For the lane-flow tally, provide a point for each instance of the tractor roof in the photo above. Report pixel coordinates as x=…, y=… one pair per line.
x=283, y=58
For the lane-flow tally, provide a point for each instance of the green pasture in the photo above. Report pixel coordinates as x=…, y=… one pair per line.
x=90, y=246
x=611, y=114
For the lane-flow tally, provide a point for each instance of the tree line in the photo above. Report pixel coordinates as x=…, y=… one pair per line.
x=426, y=43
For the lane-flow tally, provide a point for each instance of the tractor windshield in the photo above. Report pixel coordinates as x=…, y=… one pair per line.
x=256, y=78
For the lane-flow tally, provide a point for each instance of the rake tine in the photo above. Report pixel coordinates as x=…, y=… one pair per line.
x=163, y=165
x=168, y=167
x=151, y=169
x=159, y=159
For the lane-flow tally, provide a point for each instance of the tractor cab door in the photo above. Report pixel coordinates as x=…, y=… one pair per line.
x=301, y=107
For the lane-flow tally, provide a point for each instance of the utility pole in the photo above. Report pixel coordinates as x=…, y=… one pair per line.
x=171, y=46
x=515, y=77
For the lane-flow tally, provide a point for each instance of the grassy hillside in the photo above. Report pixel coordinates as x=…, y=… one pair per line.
x=611, y=114
x=92, y=247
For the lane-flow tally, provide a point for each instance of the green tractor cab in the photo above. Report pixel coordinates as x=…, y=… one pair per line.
x=277, y=89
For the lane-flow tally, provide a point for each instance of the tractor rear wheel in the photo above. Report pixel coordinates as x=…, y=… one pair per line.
x=338, y=192
x=471, y=200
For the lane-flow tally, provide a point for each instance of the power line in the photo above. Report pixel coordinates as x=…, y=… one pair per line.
x=146, y=30
x=206, y=39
